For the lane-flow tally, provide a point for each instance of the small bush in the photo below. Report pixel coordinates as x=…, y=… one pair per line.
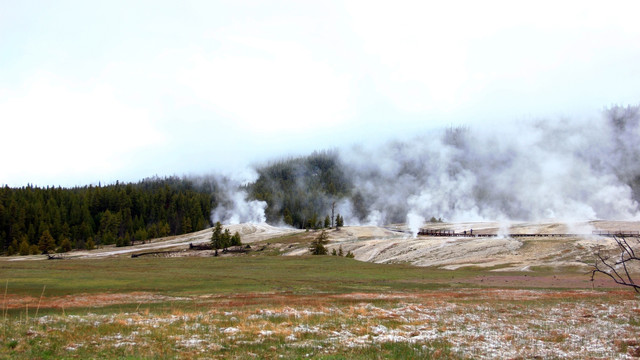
x=34, y=250
x=65, y=246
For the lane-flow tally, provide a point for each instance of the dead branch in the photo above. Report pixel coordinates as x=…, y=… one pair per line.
x=617, y=268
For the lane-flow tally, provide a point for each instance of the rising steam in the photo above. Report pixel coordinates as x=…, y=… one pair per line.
x=234, y=207
x=526, y=171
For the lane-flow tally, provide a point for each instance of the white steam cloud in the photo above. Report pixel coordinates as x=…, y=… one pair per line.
x=237, y=209
x=566, y=170
x=234, y=207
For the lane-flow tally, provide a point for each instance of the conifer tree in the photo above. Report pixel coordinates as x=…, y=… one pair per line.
x=317, y=245
x=90, y=244
x=24, y=247
x=226, y=239
x=13, y=248
x=47, y=244
x=33, y=249
x=65, y=245
x=216, y=237
x=236, y=240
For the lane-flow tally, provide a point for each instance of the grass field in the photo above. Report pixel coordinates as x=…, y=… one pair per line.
x=306, y=307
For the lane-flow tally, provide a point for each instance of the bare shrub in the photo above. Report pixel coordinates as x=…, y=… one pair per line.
x=617, y=266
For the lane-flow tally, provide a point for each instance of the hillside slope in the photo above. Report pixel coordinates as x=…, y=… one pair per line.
x=395, y=245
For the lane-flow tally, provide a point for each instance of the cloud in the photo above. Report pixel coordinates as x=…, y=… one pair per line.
x=464, y=58
x=57, y=129
x=279, y=88
x=212, y=85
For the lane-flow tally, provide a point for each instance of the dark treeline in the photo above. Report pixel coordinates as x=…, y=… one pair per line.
x=301, y=191
x=36, y=220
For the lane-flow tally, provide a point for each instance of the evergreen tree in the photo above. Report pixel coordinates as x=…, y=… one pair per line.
x=226, y=239
x=236, y=240
x=90, y=245
x=317, y=245
x=65, y=245
x=140, y=235
x=186, y=225
x=216, y=237
x=34, y=250
x=13, y=248
x=286, y=215
x=327, y=222
x=47, y=244
x=24, y=247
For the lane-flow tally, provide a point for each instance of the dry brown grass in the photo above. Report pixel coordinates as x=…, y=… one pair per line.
x=466, y=323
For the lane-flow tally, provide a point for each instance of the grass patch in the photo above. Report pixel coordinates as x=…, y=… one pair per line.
x=300, y=237
x=192, y=276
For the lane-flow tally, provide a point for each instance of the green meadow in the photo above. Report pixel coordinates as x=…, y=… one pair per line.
x=323, y=307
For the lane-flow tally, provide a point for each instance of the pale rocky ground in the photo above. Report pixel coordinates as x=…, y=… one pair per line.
x=394, y=244
x=250, y=233
x=382, y=245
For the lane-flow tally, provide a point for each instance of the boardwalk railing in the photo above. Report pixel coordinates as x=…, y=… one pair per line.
x=616, y=233
x=470, y=233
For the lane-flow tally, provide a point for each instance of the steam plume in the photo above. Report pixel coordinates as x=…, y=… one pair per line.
x=525, y=171
x=234, y=207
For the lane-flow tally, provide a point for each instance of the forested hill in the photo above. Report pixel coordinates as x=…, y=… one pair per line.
x=35, y=220
x=301, y=191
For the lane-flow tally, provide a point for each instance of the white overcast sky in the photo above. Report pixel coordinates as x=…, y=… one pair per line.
x=121, y=90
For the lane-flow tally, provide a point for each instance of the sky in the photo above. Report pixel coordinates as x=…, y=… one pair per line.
x=99, y=91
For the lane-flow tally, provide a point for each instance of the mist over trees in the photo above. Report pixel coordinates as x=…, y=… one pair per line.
x=526, y=170
x=300, y=191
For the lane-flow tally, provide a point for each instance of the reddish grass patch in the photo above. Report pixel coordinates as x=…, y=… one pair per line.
x=316, y=300
x=85, y=300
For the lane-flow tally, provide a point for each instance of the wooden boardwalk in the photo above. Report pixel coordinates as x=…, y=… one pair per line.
x=470, y=233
